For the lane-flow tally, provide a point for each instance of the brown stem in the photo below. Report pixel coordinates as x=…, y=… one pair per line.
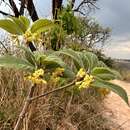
x=25, y=107
x=55, y=90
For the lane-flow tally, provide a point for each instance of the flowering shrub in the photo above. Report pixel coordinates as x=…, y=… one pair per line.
x=83, y=71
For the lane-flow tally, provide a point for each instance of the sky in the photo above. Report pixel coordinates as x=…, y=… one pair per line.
x=116, y=15
x=112, y=13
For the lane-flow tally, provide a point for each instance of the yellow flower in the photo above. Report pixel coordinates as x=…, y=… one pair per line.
x=56, y=75
x=81, y=73
x=86, y=81
x=58, y=72
x=38, y=73
x=39, y=81
x=36, y=77
x=28, y=36
x=37, y=37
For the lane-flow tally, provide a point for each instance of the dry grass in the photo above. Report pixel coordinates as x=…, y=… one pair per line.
x=12, y=93
x=65, y=110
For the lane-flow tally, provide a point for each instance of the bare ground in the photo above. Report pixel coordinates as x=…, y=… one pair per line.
x=118, y=110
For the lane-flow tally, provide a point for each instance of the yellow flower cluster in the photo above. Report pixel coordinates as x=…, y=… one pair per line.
x=57, y=74
x=36, y=77
x=28, y=36
x=81, y=73
x=86, y=79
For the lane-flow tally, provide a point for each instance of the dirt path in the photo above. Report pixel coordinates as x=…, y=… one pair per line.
x=118, y=111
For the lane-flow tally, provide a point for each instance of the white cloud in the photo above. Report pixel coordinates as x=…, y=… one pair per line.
x=119, y=49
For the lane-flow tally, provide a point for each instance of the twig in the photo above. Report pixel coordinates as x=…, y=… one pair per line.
x=84, y=2
x=6, y=14
x=55, y=90
x=26, y=105
x=4, y=46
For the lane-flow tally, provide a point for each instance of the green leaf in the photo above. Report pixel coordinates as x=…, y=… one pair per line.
x=29, y=55
x=68, y=73
x=74, y=56
x=14, y=62
x=39, y=57
x=101, y=64
x=92, y=59
x=20, y=24
x=10, y=27
x=41, y=25
x=25, y=21
x=113, y=87
x=53, y=61
x=105, y=73
x=85, y=60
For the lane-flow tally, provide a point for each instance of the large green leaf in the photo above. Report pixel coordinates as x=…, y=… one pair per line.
x=105, y=73
x=113, y=87
x=74, y=56
x=29, y=55
x=84, y=59
x=25, y=21
x=92, y=59
x=52, y=61
x=101, y=64
x=20, y=24
x=41, y=25
x=39, y=57
x=89, y=60
x=68, y=73
x=14, y=62
x=10, y=26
